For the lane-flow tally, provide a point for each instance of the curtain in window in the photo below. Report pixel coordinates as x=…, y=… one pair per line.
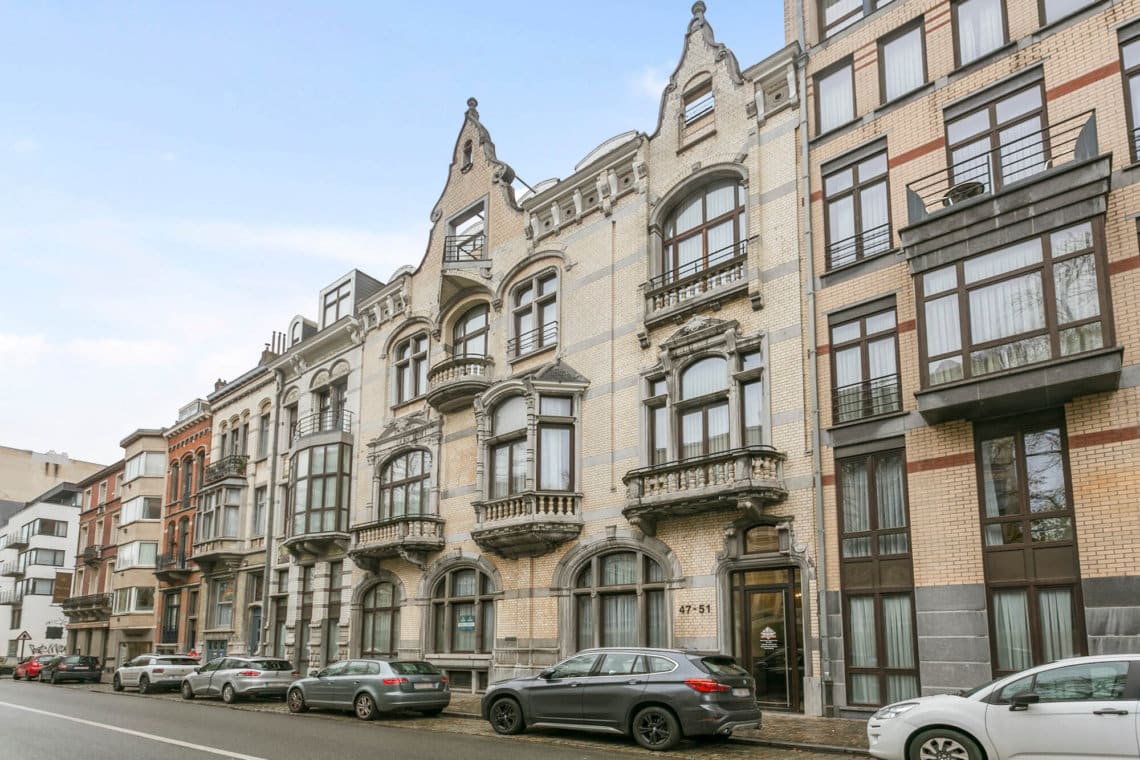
x=891, y=502
x=840, y=229
x=463, y=627
x=1006, y=308
x=721, y=238
x=873, y=207
x=836, y=99
x=719, y=201
x=856, y=511
x=902, y=65
x=718, y=428
x=979, y=28
x=500, y=472
x=1022, y=150
x=378, y=632
x=864, y=688
x=897, y=632
x=943, y=328
x=884, y=375
x=619, y=620
x=1075, y=284
x=1056, y=623
x=1011, y=629
x=753, y=423
x=849, y=384
x=655, y=610
x=585, y=621
x=554, y=469
x=619, y=569
x=703, y=377
x=518, y=467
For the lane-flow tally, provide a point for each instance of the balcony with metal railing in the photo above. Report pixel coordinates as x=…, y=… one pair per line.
x=412, y=537
x=460, y=249
x=232, y=466
x=531, y=341
x=858, y=247
x=868, y=398
x=12, y=569
x=87, y=608
x=18, y=539
x=325, y=421
x=453, y=383
x=747, y=478
x=690, y=286
x=173, y=567
x=528, y=523
x=92, y=555
x=9, y=596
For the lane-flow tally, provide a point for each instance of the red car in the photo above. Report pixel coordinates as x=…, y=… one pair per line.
x=30, y=668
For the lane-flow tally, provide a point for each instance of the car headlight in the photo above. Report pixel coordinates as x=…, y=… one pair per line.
x=894, y=711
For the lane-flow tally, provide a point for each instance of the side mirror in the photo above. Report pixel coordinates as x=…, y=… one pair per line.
x=547, y=674
x=315, y=674
x=1023, y=700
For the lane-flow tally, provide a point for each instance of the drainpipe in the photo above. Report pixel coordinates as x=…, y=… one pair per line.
x=813, y=371
x=269, y=573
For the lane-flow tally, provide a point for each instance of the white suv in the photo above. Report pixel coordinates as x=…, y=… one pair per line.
x=153, y=671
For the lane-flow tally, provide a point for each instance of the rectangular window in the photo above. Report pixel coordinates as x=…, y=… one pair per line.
x=1031, y=302
x=260, y=497
x=222, y=603
x=134, y=599
x=864, y=367
x=1130, y=66
x=979, y=29
x=1028, y=523
x=141, y=508
x=136, y=554
x=857, y=207
x=1001, y=142
x=148, y=464
x=263, y=436
x=902, y=62
x=508, y=461
x=1055, y=10
x=835, y=97
x=337, y=304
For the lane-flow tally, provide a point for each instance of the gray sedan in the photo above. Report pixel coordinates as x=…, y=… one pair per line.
x=371, y=687
x=234, y=677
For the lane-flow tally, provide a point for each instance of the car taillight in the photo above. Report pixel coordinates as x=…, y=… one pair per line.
x=249, y=673
x=443, y=679
x=296, y=673
x=394, y=681
x=706, y=685
x=159, y=670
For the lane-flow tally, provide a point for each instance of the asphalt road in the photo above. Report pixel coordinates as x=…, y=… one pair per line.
x=43, y=722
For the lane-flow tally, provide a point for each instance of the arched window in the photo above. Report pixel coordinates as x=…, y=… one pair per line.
x=619, y=600
x=702, y=410
x=188, y=479
x=174, y=482
x=380, y=621
x=183, y=539
x=467, y=150
x=405, y=482
x=707, y=228
x=411, y=368
x=508, y=447
x=535, y=308
x=463, y=612
x=470, y=334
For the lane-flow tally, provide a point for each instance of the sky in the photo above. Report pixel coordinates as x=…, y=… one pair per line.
x=178, y=180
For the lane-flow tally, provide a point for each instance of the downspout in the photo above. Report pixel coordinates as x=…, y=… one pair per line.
x=813, y=371
x=267, y=581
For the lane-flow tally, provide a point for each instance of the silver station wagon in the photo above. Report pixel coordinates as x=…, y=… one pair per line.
x=372, y=687
x=232, y=678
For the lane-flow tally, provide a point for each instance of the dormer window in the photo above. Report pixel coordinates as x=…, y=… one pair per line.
x=466, y=239
x=337, y=304
x=467, y=150
x=697, y=106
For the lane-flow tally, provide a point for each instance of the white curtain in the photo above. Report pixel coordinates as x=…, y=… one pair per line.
x=655, y=609
x=836, y=99
x=971, y=163
x=889, y=491
x=897, y=631
x=848, y=384
x=462, y=631
x=585, y=621
x=943, y=330
x=1022, y=150
x=1056, y=623
x=619, y=569
x=691, y=442
x=856, y=511
x=840, y=230
x=720, y=201
x=884, y=376
x=1011, y=630
x=1007, y=308
x=1008, y=259
x=1075, y=285
x=902, y=64
x=864, y=687
x=980, y=28
x=718, y=428
x=554, y=470
x=518, y=467
x=619, y=620
x=703, y=377
x=873, y=206
x=721, y=238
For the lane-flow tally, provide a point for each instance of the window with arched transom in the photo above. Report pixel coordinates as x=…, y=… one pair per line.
x=619, y=600
x=380, y=621
x=411, y=362
x=405, y=485
x=463, y=612
x=469, y=337
x=707, y=228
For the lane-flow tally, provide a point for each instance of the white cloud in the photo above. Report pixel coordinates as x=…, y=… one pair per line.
x=24, y=145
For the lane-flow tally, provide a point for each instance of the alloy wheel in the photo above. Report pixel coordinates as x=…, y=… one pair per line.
x=943, y=748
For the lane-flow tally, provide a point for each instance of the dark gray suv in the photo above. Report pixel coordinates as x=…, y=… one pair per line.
x=657, y=695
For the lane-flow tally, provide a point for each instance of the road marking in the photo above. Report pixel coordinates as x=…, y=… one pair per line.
x=176, y=742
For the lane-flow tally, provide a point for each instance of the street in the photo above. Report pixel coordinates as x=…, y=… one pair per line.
x=43, y=722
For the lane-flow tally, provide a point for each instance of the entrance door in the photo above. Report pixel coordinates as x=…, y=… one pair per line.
x=215, y=648
x=769, y=637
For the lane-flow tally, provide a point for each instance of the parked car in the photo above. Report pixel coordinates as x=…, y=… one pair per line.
x=153, y=671
x=1081, y=707
x=30, y=667
x=74, y=667
x=658, y=696
x=234, y=677
x=372, y=687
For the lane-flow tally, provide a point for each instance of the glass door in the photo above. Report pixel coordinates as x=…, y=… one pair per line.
x=769, y=638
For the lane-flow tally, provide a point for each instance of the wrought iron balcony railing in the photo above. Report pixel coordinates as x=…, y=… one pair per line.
x=459, y=248
x=327, y=421
x=852, y=249
x=533, y=340
x=991, y=171
x=869, y=398
x=93, y=554
x=232, y=466
x=173, y=563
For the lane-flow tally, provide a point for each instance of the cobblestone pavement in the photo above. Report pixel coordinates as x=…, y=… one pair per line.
x=783, y=737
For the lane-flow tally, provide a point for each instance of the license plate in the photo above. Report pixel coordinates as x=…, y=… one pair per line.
x=423, y=685
x=741, y=692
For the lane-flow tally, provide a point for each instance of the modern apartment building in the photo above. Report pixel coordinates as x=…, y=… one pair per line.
x=25, y=474
x=973, y=239
x=179, y=581
x=37, y=549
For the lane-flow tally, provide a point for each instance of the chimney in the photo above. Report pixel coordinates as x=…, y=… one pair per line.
x=219, y=384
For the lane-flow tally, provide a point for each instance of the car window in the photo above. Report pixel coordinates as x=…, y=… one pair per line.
x=274, y=665
x=1086, y=681
x=722, y=666
x=374, y=668
x=575, y=666
x=1014, y=687
x=356, y=668
x=661, y=665
x=336, y=669
x=211, y=666
x=413, y=667
x=621, y=664
x=138, y=662
x=175, y=661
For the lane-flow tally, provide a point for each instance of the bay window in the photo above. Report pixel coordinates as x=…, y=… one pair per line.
x=149, y=464
x=321, y=489
x=219, y=515
x=136, y=554
x=141, y=508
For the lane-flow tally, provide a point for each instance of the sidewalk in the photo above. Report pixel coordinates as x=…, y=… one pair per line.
x=785, y=730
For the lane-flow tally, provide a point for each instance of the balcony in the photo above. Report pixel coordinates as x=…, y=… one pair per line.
x=459, y=249
x=9, y=596
x=858, y=247
x=18, y=540
x=676, y=293
x=173, y=568
x=217, y=555
x=527, y=524
x=411, y=537
x=533, y=340
x=454, y=383
x=869, y=398
x=92, y=555
x=232, y=466
x=11, y=569
x=168, y=636
x=89, y=608
x=327, y=421
x=742, y=479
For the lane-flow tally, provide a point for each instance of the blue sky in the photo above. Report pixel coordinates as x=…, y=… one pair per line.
x=177, y=180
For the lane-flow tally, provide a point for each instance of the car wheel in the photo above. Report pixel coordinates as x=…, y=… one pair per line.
x=144, y=685
x=15, y=676
x=432, y=712
x=116, y=684
x=506, y=716
x=655, y=728
x=296, y=701
x=187, y=690
x=229, y=696
x=943, y=744
x=365, y=707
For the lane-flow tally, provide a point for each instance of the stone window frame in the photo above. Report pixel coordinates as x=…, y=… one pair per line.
x=483, y=332
x=342, y=479
x=484, y=598
x=425, y=481
x=417, y=362
x=671, y=270
x=360, y=612
x=547, y=335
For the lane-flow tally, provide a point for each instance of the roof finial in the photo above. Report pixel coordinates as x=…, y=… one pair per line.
x=699, y=10
x=471, y=105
